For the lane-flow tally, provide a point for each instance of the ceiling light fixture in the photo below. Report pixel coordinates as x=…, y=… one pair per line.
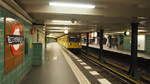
x=61, y=21
x=66, y=31
x=127, y=33
x=75, y=5
x=10, y=19
x=142, y=30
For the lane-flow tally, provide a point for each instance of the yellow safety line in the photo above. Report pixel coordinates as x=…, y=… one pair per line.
x=145, y=78
x=115, y=65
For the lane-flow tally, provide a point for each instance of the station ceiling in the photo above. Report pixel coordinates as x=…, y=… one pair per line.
x=111, y=15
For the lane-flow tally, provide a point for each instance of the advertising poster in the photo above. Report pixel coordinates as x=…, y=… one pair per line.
x=141, y=42
x=14, y=44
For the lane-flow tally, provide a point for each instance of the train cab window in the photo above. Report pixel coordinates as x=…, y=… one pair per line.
x=74, y=39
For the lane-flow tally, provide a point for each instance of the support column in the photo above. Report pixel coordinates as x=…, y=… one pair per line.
x=110, y=41
x=134, y=43
x=87, y=42
x=101, y=35
x=37, y=35
x=45, y=38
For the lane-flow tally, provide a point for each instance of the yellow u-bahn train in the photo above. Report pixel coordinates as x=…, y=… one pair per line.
x=70, y=41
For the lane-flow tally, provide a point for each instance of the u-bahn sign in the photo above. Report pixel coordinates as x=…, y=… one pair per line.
x=15, y=39
x=14, y=44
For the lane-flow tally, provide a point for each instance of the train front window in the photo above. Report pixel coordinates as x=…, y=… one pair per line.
x=74, y=39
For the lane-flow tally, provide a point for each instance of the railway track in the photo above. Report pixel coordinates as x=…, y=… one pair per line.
x=119, y=70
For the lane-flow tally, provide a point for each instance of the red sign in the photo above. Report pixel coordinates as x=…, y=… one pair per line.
x=18, y=31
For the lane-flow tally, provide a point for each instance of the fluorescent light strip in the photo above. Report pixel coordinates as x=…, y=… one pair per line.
x=71, y=5
x=59, y=21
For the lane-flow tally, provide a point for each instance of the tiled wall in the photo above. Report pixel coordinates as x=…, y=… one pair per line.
x=147, y=43
x=1, y=47
x=19, y=72
x=127, y=43
x=42, y=40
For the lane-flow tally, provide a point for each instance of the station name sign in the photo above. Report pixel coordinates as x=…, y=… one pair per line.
x=15, y=39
